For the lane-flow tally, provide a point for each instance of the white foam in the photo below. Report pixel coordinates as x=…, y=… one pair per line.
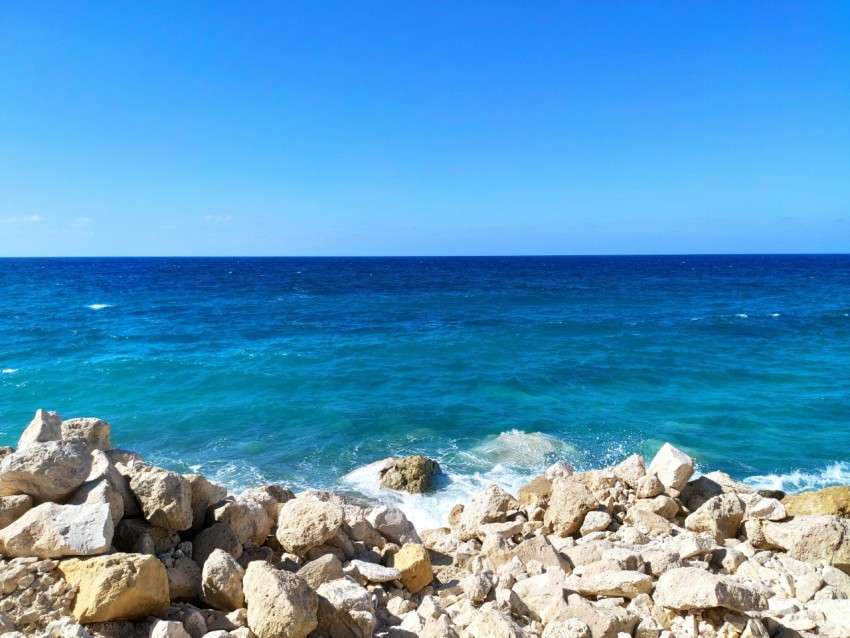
x=774, y=314
x=801, y=480
x=9, y=370
x=509, y=460
x=99, y=306
x=742, y=315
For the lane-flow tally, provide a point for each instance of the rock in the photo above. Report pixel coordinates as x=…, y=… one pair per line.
x=414, y=563
x=13, y=507
x=631, y=471
x=204, y=493
x=603, y=623
x=270, y=497
x=689, y=588
x=707, y=486
x=93, y=433
x=345, y=610
x=490, y=505
x=647, y=522
x=241, y=517
x=103, y=468
x=45, y=426
x=392, y=524
x=218, y=536
x=672, y=466
x=761, y=508
x=306, y=523
x=168, y=629
x=184, y=579
x=165, y=496
x=324, y=569
x=116, y=587
x=595, y=521
x=834, y=501
x=52, y=531
x=543, y=595
x=372, y=572
x=137, y=536
x=279, y=603
x=47, y=471
x=649, y=486
x=412, y=474
x=626, y=583
x=536, y=492
x=559, y=469
x=720, y=516
x=812, y=539
x=100, y=491
x=493, y=624
x=221, y=582
x=540, y=549
x=569, y=628
x=569, y=504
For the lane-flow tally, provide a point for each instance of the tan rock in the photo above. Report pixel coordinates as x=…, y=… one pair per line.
x=412, y=474
x=689, y=588
x=103, y=468
x=631, y=471
x=707, y=486
x=649, y=486
x=47, y=471
x=543, y=595
x=271, y=497
x=493, y=624
x=672, y=466
x=720, y=516
x=306, y=523
x=540, y=549
x=52, y=531
x=217, y=536
x=241, y=517
x=345, y=610
x=812, y=539
x=595, y=521
x=603, y=623
x=569, y=504
x=414, y=563
x=221, y=582
x=647, y=522
x=662, y=505
x=204, y=493
x=165, y=496
x=13, y=507
x=626, y=583
x=537, y=491
x=568, y=628
x=116, y=587
x=100, y=491
x=834, y=501
x=91, y=432
x=184, y=579
x=45, y=426
x=279, y=603
x=322, y=570
x=490, y=505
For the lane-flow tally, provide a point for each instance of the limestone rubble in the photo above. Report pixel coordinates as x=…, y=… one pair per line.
x=97, y=543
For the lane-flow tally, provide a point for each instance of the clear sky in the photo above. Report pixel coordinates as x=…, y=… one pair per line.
x=424, y=128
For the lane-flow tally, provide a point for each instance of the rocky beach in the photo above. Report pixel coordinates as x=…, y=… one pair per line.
x=96, y=542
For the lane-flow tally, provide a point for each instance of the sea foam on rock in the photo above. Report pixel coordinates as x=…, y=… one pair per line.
x=637, y=550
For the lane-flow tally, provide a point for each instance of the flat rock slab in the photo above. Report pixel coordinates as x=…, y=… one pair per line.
x=53, y=531
x=689, y=588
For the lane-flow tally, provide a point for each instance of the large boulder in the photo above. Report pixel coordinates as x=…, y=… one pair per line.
x=322, y=570
x=306, y=523
x=699, y=490
x=812, y=539
x=45, y=426
x=271, y=497
x=100, y=491
x=626, y=583
x=832, y=501
x=720, y=516
x=391, y=524
x=116, y=587
x=687, y=588
x=569, y=504
x=221, y=582
x=218, y=536
x=248, y=519
x=490, y=505
x=602, y=622
x=345, y=610
x=672, y=466
x=52, y=531
x=279, y=603
x=204, y=493
x=536, y=492
x=409, y=474
x=184, y=579
x=91, y=432
x=47, y=471
x=103, y=468
x=631, y=471
x=165, y=496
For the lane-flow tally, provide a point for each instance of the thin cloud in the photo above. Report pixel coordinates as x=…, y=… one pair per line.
x=218, y=219
x=83, y=222
x=22, y=219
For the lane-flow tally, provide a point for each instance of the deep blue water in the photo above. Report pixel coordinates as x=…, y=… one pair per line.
x=302, y=370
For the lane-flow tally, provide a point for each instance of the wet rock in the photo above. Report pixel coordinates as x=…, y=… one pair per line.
x=830, y=501
x=412, y=474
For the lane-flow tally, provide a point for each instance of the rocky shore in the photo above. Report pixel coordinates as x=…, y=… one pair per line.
x=95, y=542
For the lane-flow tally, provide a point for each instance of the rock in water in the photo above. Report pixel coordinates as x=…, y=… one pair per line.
x=46, y=471
x=279, y=602
x=53, y=531
x=410, y=474
x=117, y=587
x=45, y=426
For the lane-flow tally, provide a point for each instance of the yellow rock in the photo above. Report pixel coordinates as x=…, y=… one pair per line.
x=117, y=587
x=414, y=563
x=539, y=489
x=833, y=501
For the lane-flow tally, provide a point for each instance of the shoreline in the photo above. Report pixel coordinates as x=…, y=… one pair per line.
x=97, y=542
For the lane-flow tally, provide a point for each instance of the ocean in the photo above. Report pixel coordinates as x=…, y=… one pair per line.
x=304, y=371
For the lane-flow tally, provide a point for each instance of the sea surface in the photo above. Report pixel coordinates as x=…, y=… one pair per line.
x=306, y=371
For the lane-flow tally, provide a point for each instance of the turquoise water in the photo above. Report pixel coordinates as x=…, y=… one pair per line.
x=304, y=371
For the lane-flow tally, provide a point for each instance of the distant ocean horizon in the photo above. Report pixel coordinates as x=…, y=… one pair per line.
x=305, y=371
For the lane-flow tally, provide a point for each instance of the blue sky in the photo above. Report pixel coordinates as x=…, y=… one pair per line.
x=423, y=128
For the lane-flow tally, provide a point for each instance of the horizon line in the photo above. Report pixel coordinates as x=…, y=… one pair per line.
x=427, y=256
